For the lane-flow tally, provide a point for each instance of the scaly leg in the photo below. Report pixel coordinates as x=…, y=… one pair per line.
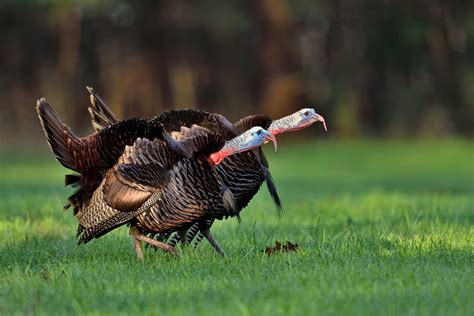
x=138, y=248
x=139, y=237
x=205, y=231
x=213, y=242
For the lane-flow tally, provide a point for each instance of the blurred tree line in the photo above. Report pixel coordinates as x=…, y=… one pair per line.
x=373, y=68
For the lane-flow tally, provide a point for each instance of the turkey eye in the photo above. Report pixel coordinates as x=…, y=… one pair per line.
x=306, y=113
x=259, y=132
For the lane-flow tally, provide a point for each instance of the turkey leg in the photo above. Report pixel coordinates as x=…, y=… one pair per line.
x=139, y=237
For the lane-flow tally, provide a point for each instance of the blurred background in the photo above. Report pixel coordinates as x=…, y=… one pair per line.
x=372, y=68
x=382, y=205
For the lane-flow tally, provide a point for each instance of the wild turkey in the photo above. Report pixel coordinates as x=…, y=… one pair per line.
x=243, y=174
x=153, y=187
x=250, y=165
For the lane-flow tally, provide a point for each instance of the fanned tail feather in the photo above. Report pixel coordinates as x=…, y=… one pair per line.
x=99, y=112
x=59, y=136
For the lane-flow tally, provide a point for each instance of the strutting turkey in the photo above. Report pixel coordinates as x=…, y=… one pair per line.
x=243, y=173
x=158, y=185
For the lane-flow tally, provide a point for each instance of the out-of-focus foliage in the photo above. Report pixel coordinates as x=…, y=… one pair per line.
x=371, y=67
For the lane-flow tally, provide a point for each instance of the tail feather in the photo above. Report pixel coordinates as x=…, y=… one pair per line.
x=71, y=179
x=60, y=137
x=273, y=192
x=99, y=112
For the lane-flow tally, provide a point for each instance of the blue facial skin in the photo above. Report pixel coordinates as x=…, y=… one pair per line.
x=259, y=137
x=307, y=116
x=252, y=138
x=256, y=137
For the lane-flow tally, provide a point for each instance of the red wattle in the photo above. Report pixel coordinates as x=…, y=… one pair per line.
x=220, y=155
x=215, y=158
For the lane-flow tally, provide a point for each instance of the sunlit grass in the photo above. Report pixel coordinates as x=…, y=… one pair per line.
x=382, y=228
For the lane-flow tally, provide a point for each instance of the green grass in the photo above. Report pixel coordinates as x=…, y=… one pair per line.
x=383, y=228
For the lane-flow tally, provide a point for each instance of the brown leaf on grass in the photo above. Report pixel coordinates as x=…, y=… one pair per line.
x=281, y=248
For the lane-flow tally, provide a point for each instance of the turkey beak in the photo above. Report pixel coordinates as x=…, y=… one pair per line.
x=321, y=119
x=270, y=137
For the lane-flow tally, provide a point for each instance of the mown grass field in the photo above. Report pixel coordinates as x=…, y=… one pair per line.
x=383, y=228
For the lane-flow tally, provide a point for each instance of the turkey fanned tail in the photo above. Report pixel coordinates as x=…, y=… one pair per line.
x=99, y=112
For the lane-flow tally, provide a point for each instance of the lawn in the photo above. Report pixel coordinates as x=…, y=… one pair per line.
x=382, y=228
